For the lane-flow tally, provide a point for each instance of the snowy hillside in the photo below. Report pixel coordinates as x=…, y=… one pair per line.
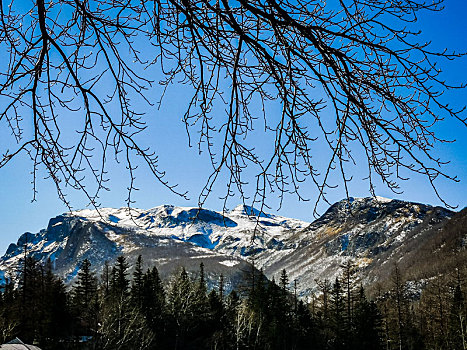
x=370, y=231
x=167, y=236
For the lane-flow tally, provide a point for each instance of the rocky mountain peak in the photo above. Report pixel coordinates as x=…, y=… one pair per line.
x=243, y=209
x=366, y=210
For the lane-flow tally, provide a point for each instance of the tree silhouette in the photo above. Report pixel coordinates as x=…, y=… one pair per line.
x=359, y=61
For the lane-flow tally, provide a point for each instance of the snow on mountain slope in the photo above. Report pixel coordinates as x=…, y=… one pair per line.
x=370, y=231
x=167, y=236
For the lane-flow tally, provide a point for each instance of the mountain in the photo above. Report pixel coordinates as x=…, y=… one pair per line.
x=375, y=233
x=167, y=236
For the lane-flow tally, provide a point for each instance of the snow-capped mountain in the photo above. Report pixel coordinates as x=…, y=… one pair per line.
x=167, y=236
x=373, y=232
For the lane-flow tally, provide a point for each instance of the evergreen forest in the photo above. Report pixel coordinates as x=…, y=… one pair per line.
x=135, y=309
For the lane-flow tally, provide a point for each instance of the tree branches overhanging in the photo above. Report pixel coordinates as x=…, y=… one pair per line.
x=349, y=74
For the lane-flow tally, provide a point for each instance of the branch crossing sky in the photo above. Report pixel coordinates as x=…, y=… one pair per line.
x=187, y=168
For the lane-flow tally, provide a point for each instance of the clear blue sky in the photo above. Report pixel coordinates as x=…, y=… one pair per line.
x=185, y=167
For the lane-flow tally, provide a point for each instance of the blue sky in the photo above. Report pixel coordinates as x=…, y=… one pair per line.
x=184, y=166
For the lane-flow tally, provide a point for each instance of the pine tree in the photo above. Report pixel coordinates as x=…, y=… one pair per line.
x=201, y=291
x=278, y=317
x=305, y=332
x=215, y=321
x=349, y=282
x=324, y=314
x=29, y=287
x=153, y=304
x=120, y=282
x=284, y=281
x=85, y=298
x=55, y=316
x=337, y=315
x=441, y=316
x=257, y=298
x=367, y=324
x=137, y=284
x=116, y=308
x=399, y=298
x=232, y=305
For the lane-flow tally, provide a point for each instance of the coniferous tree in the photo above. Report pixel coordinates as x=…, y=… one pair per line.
x=188, y=317
x=275, y=313
x=284, y=281
x=215, y=321
x=440, y=293
x=349, y=282
x=201, y=293
x=154, y=306
x=399, y=298
x=85, y=299
x=257, y=296
x=306, y=330
x=324, y=313
x=367, y=324
x=337, y=315
x=137, y=284
x=39, y=309
x=232, y=306
x=429, y=325
x=55, y=322
x=120, y=282
x=28, y=307
x=278, y=319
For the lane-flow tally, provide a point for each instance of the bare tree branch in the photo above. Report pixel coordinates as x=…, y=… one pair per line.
x=359, y=61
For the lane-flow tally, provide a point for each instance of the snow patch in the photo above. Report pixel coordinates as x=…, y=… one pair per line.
x=383, y=199
x=229, y=263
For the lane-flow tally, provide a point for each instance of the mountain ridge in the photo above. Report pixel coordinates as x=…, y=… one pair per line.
x=372, y=232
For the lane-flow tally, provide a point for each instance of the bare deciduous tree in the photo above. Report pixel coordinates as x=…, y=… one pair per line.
x=356, y=60
x=124, y=327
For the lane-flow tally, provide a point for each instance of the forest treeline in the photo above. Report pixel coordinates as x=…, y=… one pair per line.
x=137, y=310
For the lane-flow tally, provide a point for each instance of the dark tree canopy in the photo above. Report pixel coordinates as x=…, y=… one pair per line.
x=358, y=60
